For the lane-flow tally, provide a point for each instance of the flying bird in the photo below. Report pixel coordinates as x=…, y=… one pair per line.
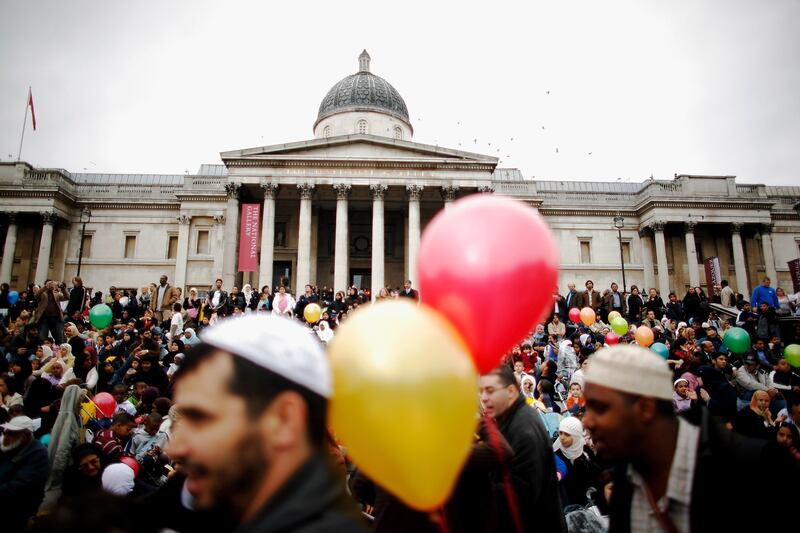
x=556, y=150
x=548, y=92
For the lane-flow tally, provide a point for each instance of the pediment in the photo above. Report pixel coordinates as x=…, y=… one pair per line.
x=357, y=148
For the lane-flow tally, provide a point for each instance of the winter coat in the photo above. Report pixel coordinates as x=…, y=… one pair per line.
x=23, y=474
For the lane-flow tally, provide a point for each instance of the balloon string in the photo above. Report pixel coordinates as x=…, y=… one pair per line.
x=439, y=517
x=494, y=441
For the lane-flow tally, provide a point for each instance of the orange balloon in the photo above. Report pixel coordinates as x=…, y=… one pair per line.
x=644, y=336
x=587, y=316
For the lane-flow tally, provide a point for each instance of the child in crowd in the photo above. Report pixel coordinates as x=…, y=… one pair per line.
x=576, y=403
x=123, y=399
x=112, y=440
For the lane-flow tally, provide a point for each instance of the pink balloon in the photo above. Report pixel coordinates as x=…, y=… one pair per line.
x=106, y=404
x=489, y=264
x=612, y=338
x=575, y=314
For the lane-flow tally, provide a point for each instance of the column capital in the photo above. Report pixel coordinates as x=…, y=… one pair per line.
x=736, y=227
x=645, y=231
x=219, y=220
x=689, y=226
x=342, y=190
x=767, y=228
x=306, y=190
x=270, y=190
x=11, y=217
x=49, y=217
x=232, y=190
x=414, y=192
x=377, y=191
x=658, y=226
x=489, y=189
x=184, y=220
x=449, y=192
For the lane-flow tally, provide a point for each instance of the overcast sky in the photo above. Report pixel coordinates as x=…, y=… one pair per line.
x=598, y=90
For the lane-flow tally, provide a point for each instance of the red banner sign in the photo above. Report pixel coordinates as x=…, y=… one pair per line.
x=713, y=274
x=248, y=238
x=794, y=270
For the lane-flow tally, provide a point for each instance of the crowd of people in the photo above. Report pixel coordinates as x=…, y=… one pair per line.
x=214, y=427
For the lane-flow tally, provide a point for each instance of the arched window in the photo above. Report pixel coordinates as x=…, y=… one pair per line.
x=326, y=132
x=361, y=127
x=398, y=132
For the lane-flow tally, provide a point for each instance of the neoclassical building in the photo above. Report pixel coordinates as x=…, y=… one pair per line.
x=350, y=205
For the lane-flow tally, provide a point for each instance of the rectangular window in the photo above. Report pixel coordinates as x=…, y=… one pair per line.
x=280, y=234
x=586, y=252
x=172, y=247
x=626, y=252
x=87, y=246
x=202, y=242
x=130, y=246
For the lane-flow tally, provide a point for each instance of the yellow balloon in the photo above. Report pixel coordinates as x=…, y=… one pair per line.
x=88, y=411
x=587, y=316
x=312, y=312
x=404, y=399
x=612, y=315
x=644, y=336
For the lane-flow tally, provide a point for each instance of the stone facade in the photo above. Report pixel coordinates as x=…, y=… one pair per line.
x=350, y=207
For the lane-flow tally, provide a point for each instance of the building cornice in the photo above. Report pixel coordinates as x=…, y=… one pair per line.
x=328, y=163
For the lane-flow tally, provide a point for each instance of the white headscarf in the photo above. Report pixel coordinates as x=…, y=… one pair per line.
x=527, y=377
x=118, y=479
x=573, y=427
x=247, y=290
x=325, y=333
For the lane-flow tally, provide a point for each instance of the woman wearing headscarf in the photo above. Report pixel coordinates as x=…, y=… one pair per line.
x=691, y=304
x=527, y=385
x=756, y=420
x=190, y=337
x=635, y=304
x=192, y=305
x=325, y=333
x=8, y=397
x=250, y=298
x=283, y=304
x=583, y=472
x=63, y=438
x=117, y=479
x=64, y=355
x=654, y=303
x=682, y=396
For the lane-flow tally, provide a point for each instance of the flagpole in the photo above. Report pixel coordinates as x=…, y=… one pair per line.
x=24, y=122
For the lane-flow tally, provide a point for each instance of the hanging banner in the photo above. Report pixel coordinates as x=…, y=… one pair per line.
x=794, y=270
x=713, y=274
x=248, y=238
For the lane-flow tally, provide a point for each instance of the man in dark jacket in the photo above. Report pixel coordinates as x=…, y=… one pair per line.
x=532, y=468
x=23, y=473
x=252, y=436
x=670, y=470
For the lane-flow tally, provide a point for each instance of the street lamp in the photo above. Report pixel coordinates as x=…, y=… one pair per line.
x=619, y=223
x=86, y=215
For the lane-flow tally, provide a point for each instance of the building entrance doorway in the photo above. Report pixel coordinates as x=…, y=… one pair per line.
x=361, y=278
x=281, y=270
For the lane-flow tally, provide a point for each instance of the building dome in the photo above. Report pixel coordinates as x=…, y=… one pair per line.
x=363, y=91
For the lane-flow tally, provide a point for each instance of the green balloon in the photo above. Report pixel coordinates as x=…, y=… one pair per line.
x=100, y=316
x=661, y=349
x=620, y=326
x=737, y=340
x=792, y=354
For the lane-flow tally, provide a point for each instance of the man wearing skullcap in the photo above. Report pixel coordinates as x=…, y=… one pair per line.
x=253, y=399
x=672, y=474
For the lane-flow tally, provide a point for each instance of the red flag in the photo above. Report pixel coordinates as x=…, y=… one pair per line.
x=30, y=103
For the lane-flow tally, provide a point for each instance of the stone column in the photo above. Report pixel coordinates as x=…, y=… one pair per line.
x=647, y=260
x=45, y=245
x=9, y=249
x=219, y=237
x=414, y=194
x=661, y=258
x=230, y=251
x=182, y=257
x=449, y=194
x=769, y=254
x=738, y=260
x=341, y=274
x=378, y=190
x=691, y=256
x=303, y=276
x=267, y=236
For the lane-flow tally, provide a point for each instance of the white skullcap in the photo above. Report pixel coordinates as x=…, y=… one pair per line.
x=280, y=345
x=631, y=369
x=118, y=479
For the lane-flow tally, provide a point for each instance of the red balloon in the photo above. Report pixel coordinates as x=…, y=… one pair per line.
x=131, y=462
x=106, y=404
x=612, y=338
x=575, y=314
x=489, y=264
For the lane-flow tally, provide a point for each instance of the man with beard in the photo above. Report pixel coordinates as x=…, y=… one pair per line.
x=23, y=473
x=669, y=470
x=252, y=434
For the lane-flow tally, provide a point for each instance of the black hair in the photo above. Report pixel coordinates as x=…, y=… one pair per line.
x=259, y=387
x=724, y=283
x=506, y=375
x=123, y=418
